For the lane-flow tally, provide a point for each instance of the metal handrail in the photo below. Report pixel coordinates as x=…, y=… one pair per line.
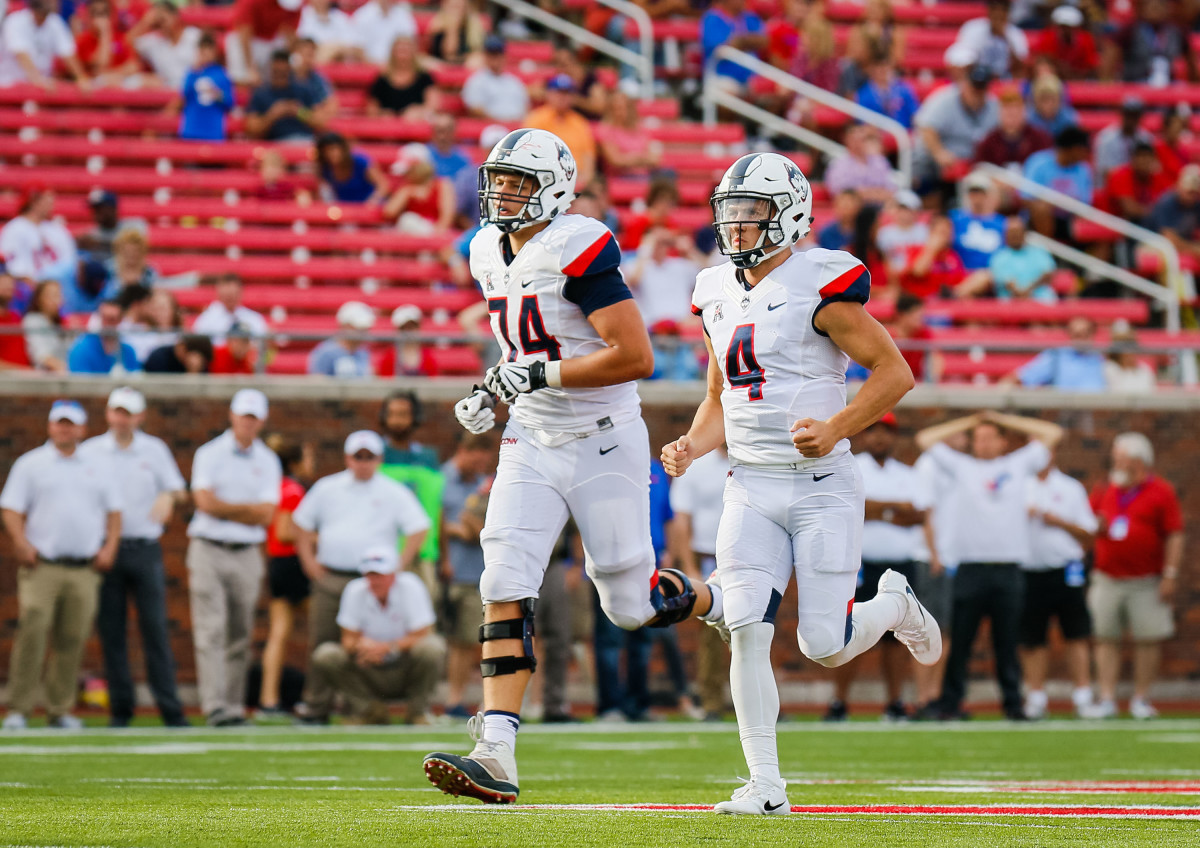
x=714, y=95
x=644, y=63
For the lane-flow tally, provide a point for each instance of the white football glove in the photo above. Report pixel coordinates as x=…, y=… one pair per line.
x=475, y=412
x=509, y=379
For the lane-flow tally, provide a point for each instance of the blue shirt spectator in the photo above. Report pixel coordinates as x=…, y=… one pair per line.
x=100, y=352
x=726, y=23
x=465, y=558
x=451, y=163
x=976, y=236
x=1020, y=269
x=288, y=124
x=1065, y=368
x=207, y=97
x=835, y=237
x=84, y=293
x=356, y=188
x=660, y=506
x=1071, y=177
x=334, y=359
x=897, y=100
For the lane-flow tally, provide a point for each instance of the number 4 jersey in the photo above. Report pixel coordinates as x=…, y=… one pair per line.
x=539, y=302
x=777, y=366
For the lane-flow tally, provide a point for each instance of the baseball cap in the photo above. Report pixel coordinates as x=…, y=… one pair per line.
x=493, y=44
x=491, y=135
x=959, y=55
x=980, y=76
x=239, y=331
x=367, y=440
x=69, y=410
x=249, y=402
x=1133, y=103
x=977, y=182
x=1067, y=16
x=561, y=82
x=356, y=315
x=908, y=199
x=128, y=399
x=406, y=313
x=379, y=560
x=1010, y=93
x=101, y=197
x=889, y=420
x=290, y=5
x=413, y=153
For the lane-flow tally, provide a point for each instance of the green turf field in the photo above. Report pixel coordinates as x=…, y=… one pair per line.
x=360, y=788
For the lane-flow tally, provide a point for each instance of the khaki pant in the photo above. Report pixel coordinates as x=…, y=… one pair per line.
x=1131, y=603
x=223, y=585
x=712, y=656
x=411, y=677
x=322, y=628
x=56, y=606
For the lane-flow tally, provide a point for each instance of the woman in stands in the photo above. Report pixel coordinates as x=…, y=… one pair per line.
x=424, y=203
x=46, y=341
x=625, y=147
x=128, y=265
x=348, y=176
x=404, y=89
x=456, y=33
x=876, y=35
x=158, y=323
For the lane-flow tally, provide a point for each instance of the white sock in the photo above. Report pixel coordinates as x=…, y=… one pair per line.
x=1082, y=696
x=756, y=699
x=868, y=622
x=501, y=726
x=717, y=612
x=1037, y=698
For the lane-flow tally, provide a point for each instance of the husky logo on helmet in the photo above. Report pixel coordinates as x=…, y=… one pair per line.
x=798, y=181
x=762, y=206
x=566, y=160
x=531, y=170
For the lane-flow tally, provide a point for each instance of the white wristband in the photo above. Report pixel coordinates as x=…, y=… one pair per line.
x=554, y=374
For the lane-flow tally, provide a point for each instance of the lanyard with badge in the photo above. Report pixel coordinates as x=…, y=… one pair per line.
x=1118, y=528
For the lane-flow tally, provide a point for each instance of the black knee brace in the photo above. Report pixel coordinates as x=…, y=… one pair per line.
x=672, y=605
x=512, y=628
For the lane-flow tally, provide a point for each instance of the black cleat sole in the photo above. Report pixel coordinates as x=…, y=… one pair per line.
x=452, y=780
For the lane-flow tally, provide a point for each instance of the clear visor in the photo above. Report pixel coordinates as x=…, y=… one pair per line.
x=505, y=193
x=744, y=222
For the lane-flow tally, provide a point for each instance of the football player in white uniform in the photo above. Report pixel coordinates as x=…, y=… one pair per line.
x=573, y=343
x=781, y=328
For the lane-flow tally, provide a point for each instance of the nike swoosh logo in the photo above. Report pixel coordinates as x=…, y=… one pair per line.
x=770, y=808
x=604, y=451
x=817, y=478
x=527, y=284
x=775, y=306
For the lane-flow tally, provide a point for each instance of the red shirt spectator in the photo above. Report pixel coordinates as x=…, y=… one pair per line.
x=1068, y=46
x=1135, y=522
x=101, y=14
x=265, y=18
x=290, y=495
x=12, y=345
x=1131, y=193
x=424, y=366
x=933, y=266
x=224, y=362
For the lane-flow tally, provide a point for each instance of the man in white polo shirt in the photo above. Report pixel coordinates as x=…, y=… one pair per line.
x=235, y=485
x=342, y=517
x=151, y=487
x=990, y=539
x=697, y=499
x=387, y=650
x=62, y=509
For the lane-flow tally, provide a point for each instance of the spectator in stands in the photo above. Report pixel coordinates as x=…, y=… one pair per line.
x=1114, y=144
x=288, y=584
x=908, y=325
x=238, y=355
x=1170, y=141
x=661, y=208
x=1021, y=270
x=260, y=29
x=662, y=275
x=816, y=57
x=102, y=351
x=84, y=294
x=456, y=32
x=951, y=123
x=1000, y=46
x=1135, y=573
x=33, y=39
x=559, y=117
x=62, y=511
x=1049, y=111
x=159, y=324
x=1067, y=45
x=1065, y=169
x=591, y=95
x=102, y=47
x=1133, y=189
x=674, y=358
x=862, y=168
x=1124, y=371
x=400, y=416
x=306, y=75
x=876, y=39
x=207, y=95
x=348, y=176
x=406, y=357
x=1014, y=139
x=282, y=109
x=134, y=302
x=128, y=265
x=191, y=354
x=98, y=242
x=379, y=24
x=626, y=148
x=346, y=354
x=840, y=233
x=1177, y=213
x=1149, y=46
x=387, y=650
x=331, y=30
x=275, y=186
x=465, y=473
x=884, y=92
x=1075, y=367
x=990, y=538
x=46, y=342
x=404, y=89
x=598, y=204
x=165, y=44
x=493, y=93
x=449, y=159
x=934, y=268
x=35, y=245
x=727, y=23
x=904, y=230
x=222, y=313
x=423, y=203
x=978, y=228
x=13, y=354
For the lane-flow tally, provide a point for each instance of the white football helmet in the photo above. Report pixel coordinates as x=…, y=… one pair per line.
x=547, y=186
x=763, y=190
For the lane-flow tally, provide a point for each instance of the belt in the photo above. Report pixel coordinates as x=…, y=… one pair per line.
x=343, y=571
x=1007, y=564
x=887, y=563
x=138, y=542
x=68, y=562
x=229, y=546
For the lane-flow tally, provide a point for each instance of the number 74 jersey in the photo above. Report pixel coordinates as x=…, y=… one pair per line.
x=776, y=365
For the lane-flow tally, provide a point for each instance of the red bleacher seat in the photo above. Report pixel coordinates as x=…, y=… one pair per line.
x=993, y=366
x=274, y=239
x=327, y=299
x=259, y=267
x=991, y=311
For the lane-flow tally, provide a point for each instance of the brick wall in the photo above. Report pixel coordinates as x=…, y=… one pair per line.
x=187, y=414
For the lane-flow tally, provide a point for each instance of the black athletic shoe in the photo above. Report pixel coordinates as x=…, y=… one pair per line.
x=488, y=773
x=895, y=711
x=837, y=712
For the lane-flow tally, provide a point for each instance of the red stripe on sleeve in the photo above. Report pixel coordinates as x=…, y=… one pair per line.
x=843, y=281
x=696, y=310
x=581, y=263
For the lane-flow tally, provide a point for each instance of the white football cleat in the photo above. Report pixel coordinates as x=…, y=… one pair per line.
x=488, y=773
x=1103, y=709
x=1036, y=705
x=918, y=631
x=1141, y=709
x=756, y=799
x=14, y=721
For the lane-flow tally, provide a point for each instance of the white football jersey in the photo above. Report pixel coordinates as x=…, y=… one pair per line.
x=538, y=303
x=777, y=367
